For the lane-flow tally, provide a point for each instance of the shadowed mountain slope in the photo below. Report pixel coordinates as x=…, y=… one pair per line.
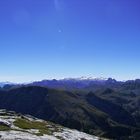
x=96, y=113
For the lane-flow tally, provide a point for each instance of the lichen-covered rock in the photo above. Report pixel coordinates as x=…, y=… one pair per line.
x=30, y=128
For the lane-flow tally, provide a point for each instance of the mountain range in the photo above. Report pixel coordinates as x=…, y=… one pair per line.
x=102, y=107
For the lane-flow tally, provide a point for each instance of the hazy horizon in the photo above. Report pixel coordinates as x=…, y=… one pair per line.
x=29, y=80
x=69, y=38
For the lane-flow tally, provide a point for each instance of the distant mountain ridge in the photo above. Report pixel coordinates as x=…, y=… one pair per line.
x=80, y=79
x=5, y=83
x=83, y=83
x=74, y=82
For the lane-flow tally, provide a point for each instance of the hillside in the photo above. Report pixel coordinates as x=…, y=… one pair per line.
x=24, y=127
x=106, y=113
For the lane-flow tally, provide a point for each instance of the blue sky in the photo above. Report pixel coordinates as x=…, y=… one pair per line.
x=41, y=39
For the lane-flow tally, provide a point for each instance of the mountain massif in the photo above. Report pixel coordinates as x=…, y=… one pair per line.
x=105, y=108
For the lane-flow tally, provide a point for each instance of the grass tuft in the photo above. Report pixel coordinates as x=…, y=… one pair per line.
x=4, y=128
x=27, y=124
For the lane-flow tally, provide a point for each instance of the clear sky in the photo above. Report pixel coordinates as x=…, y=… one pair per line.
x=41, y=39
